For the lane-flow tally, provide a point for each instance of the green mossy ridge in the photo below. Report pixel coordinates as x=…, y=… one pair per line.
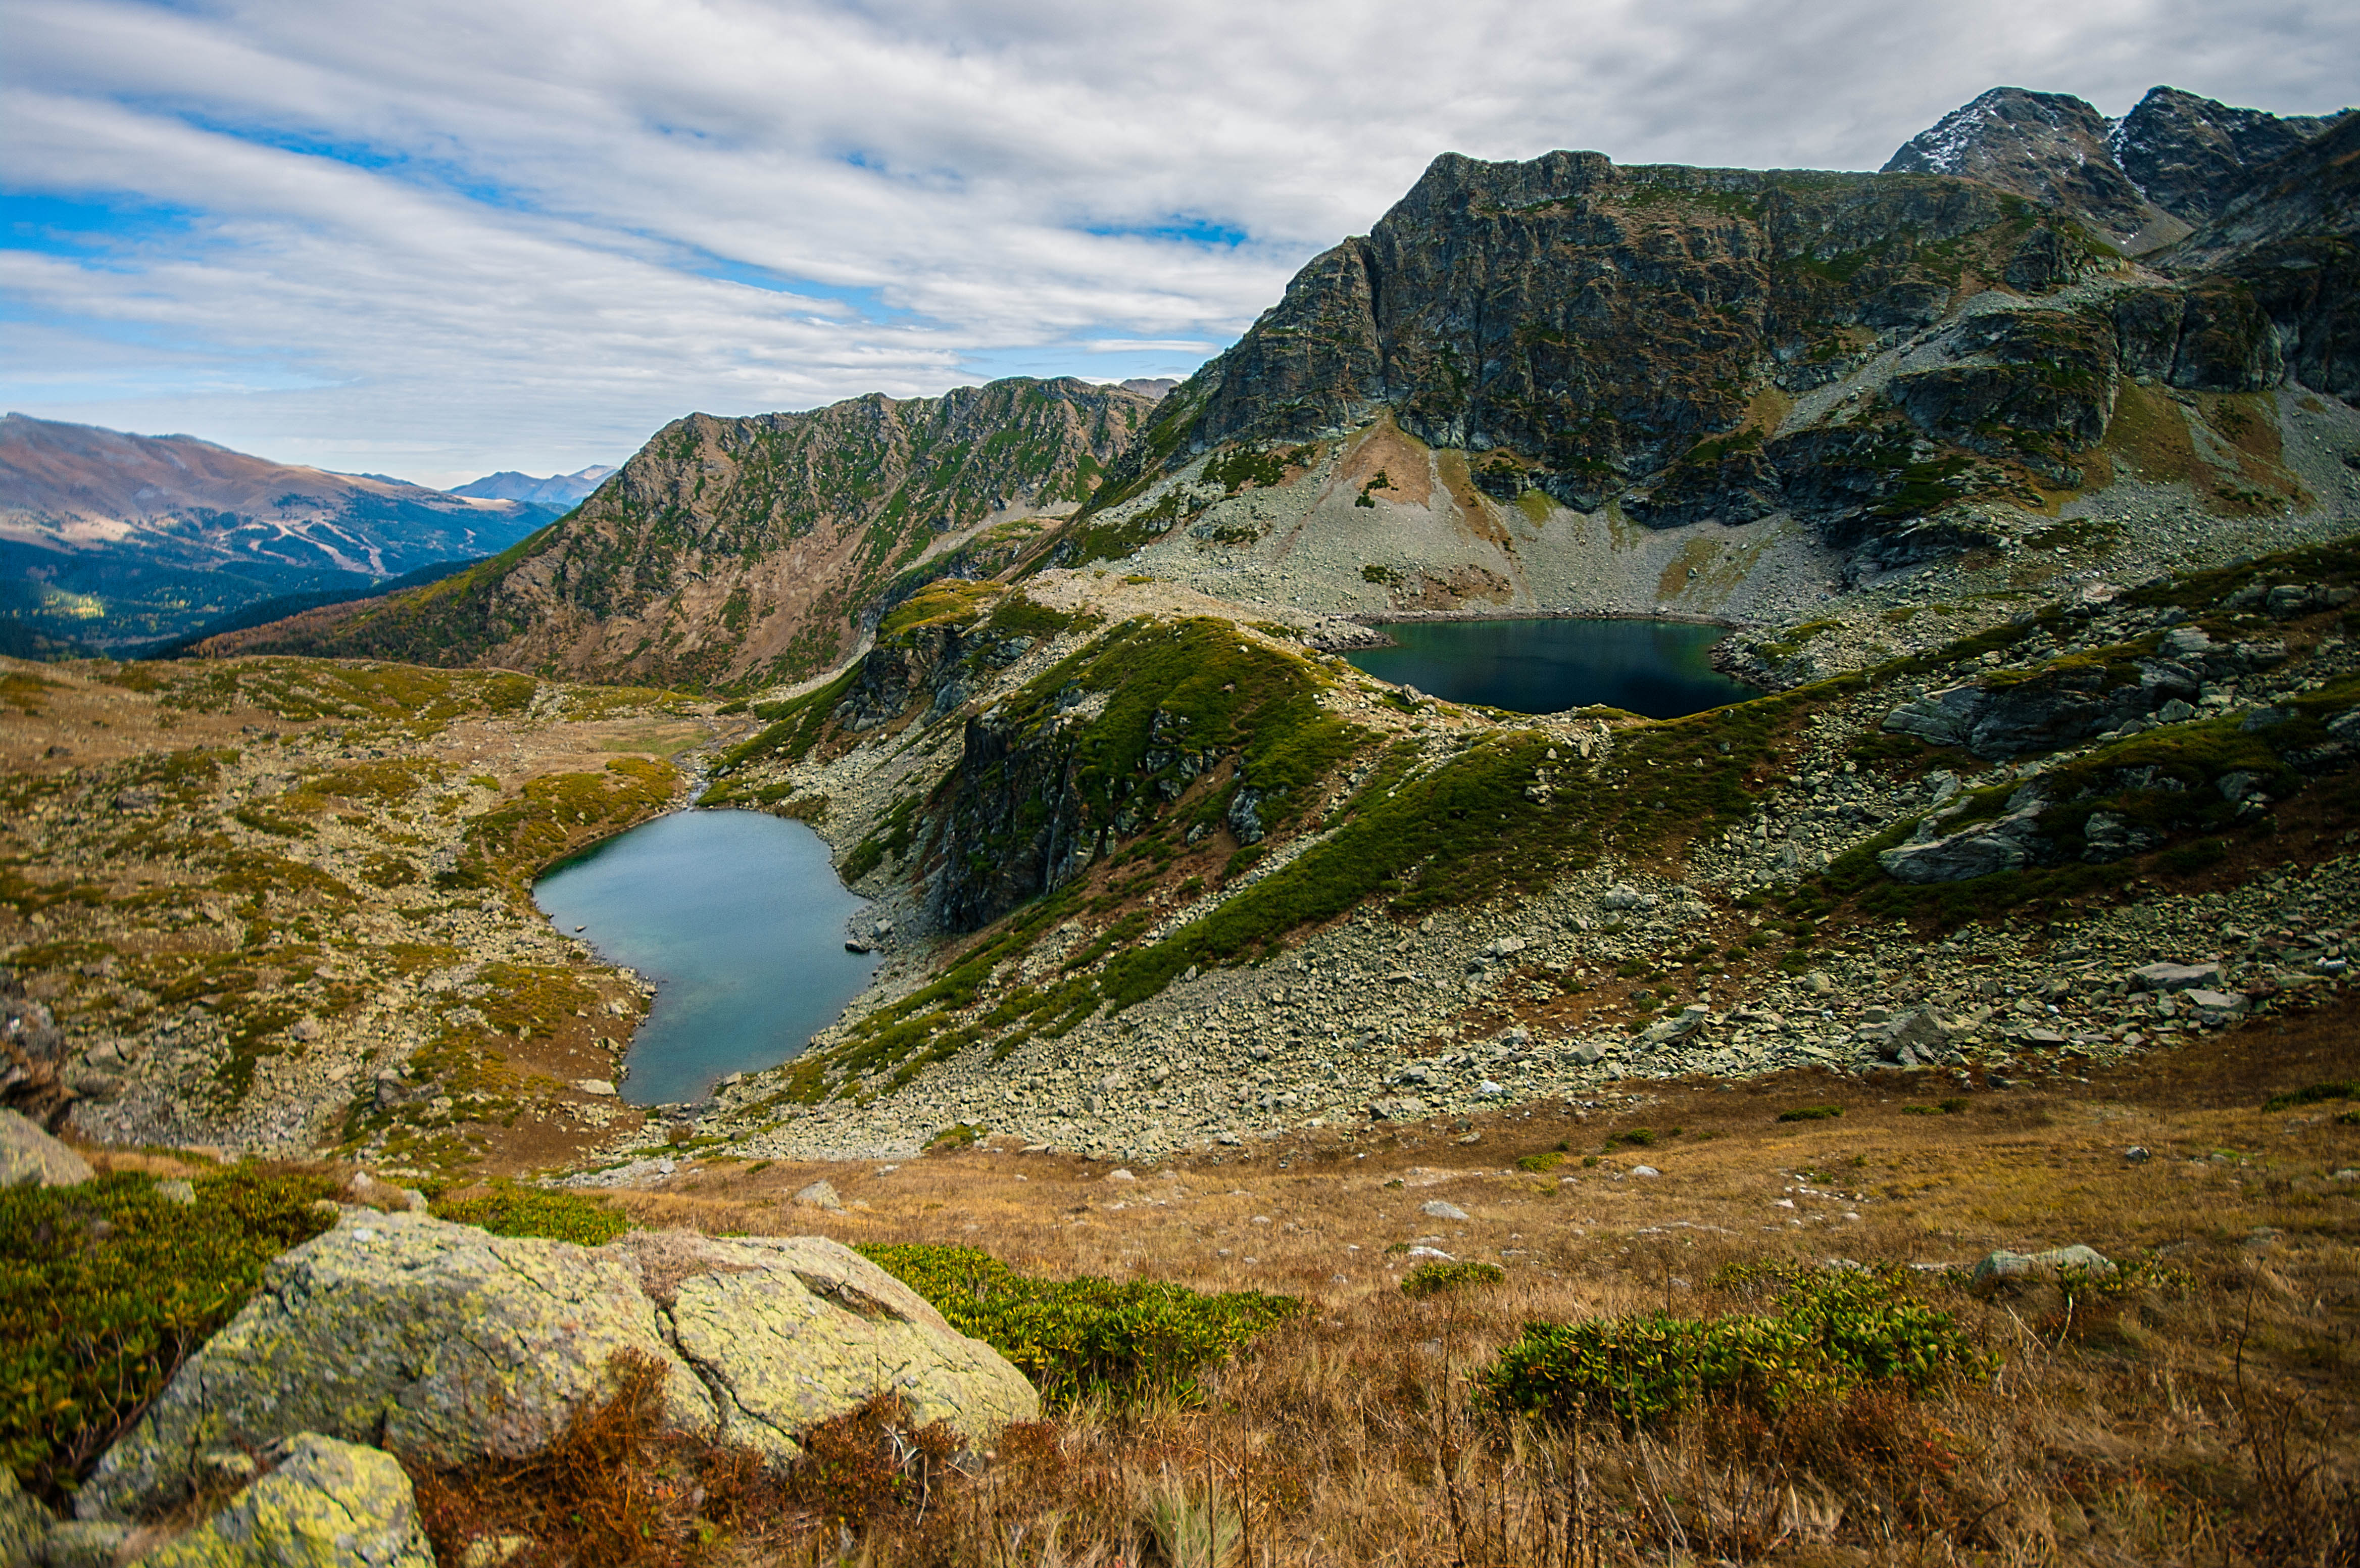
x=94, y=1324
x=946, y=601
x=1468, y=830
x=1210, y=689
x=1834, y=1330
x=1078, y=1339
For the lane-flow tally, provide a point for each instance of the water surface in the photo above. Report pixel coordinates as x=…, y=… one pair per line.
x=1659, y=668
x=739, y=920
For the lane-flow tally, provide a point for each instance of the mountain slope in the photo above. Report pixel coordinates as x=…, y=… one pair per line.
x=734, y=552
x=130, y=538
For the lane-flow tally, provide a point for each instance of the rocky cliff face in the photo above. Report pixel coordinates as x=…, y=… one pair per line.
x=2051, y=147
x=1588, y=326
x=739, y=551
x=2292, y=242
x=2193, y=155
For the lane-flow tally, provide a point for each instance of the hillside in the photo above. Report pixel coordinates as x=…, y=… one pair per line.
x=123, y=540
x=732, y=553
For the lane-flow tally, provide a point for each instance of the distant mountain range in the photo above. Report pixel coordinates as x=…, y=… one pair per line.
x=113, y=541
x=563, y=491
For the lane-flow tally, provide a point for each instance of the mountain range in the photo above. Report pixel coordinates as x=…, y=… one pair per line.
x=115, y=541
x=561, y=490
x=1925, y=359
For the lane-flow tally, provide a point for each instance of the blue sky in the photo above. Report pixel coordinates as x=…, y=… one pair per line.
x=437, y=239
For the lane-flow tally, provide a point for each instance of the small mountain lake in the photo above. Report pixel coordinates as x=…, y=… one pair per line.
x=1659, y=668
x=737, y=918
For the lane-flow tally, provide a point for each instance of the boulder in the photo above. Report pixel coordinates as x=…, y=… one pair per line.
x=2010, y=843
x=327, y=1505
x=2003, y=1266
x=819, y=1195
x=2174, y=976
x=790, y=1332
x=31, y=1157
x=1912, y=1039
x=1440, y=1210
x=432, y=1339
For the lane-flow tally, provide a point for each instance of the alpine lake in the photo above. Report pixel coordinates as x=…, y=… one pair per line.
x=1661, y=669
x=737, y=918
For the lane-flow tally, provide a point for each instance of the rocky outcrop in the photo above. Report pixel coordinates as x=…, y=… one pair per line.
x=2051, y=147
x=1012, y=824
x=789, y=1332
x=433, y=1340
x=2073, y=699
x=443, y=1345
x=728, y=550
x=325, y=1504
x=31, y=1157
x=1597, y=324
x=2293, y=242
x=2194, y=156
x=2010, y=843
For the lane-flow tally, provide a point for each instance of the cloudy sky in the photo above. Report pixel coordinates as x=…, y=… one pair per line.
x=436, y=237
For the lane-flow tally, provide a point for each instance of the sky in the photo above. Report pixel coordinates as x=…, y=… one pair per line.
x=435, y=239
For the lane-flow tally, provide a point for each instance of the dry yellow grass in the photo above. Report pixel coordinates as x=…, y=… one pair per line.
x=2207, y=1418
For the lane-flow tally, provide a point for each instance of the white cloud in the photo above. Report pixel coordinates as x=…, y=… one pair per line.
x=441, y=237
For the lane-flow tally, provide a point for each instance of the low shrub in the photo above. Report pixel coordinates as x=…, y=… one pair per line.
x=1830, y=1331
x=1811, y=1113
x=1074, y=1338
x=1540, y=1164
x=508, y=1209
x=106, y=1287
x=1434, y=1279
x=2312, y=1094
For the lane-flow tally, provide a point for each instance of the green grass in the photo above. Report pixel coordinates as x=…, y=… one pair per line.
x=1832, y=1330
x=106, y=1287
x=1437, y=1278
x=1078, y=1339
x=510, y=1209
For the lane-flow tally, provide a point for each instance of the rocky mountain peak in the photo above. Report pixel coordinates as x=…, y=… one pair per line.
x=2194, y=156
x=2051, y=147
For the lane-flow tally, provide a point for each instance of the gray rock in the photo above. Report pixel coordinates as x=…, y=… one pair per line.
x=2173, y=976
x=327, y=1505
x=2226, y=1002
x=1913, y=1037
x=2010, y=844
x=31, y=1157
x=178, y=1189
x=432, y=1339
x=2003, y=1266
x=820, y=1195
x=1587, y=1054
x=791, y=1332
x=1402, y=1108
x=1439, y=1210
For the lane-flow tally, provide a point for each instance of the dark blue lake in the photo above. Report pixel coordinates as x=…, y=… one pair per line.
x=737, y=918
x=1659, y=668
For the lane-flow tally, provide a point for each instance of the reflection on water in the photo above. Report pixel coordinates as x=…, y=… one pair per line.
x=1659, y=668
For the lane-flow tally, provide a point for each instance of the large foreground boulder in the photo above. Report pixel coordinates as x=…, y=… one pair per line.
x=328, y=1505
x=788, y=1332
x=430, y=1339
x=441, y=1344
